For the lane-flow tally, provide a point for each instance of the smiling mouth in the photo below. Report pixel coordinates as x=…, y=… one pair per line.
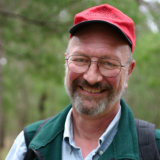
x=91, y=90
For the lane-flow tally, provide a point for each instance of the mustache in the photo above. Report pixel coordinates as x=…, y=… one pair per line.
x=84, y=83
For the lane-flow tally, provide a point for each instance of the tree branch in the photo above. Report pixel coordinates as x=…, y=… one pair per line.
x=23, y=18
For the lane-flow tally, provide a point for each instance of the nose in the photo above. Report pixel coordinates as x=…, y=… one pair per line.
x=92, y=75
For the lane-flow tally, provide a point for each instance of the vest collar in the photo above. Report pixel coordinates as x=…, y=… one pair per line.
x=125, y=142
x=123, y=146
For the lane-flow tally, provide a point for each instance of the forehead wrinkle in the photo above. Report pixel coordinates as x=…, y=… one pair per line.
x=81, y=43
x=80, y=47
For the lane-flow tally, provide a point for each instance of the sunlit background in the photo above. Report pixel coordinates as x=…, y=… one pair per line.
x=33, y=39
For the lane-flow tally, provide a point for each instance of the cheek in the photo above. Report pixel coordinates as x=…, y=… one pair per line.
x=71, y=76
x=113, y=81
x=124, y=80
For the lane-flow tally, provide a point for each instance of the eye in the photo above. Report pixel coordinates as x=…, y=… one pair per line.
x=79, y=60
x=109, y=63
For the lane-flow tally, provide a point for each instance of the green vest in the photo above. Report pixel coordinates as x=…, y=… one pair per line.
x=48, y=141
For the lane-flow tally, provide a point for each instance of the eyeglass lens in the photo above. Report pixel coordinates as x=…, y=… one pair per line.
x=107, y=67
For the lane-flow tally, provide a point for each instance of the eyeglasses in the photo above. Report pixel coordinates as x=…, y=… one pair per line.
x=107, y=67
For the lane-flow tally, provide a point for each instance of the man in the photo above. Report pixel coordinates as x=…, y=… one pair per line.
x=98, y=124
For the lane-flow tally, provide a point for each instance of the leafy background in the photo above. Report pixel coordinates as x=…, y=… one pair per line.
x=33, y=39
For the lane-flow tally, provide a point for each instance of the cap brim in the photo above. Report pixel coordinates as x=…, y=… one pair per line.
x=78, y=26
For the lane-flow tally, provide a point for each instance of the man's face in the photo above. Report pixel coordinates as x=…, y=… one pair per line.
x=92, y=93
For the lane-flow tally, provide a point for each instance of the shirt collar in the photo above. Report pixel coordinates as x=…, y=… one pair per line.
x=68, y=130
x=111, y=127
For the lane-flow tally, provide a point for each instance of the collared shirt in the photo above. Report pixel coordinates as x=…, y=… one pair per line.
x=69, y=149
x=19, y=149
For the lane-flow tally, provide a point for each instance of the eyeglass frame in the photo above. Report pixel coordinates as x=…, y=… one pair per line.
x=121, y=65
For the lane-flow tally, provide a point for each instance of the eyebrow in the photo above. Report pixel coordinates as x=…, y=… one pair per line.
x=108, y=57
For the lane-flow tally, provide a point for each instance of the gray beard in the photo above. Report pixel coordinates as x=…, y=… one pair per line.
x=99, y=105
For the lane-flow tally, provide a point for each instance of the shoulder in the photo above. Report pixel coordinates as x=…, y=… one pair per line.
x=30, y=130
x=54, y=123
x=18, y=149
x=33, y=127
x=157, y=136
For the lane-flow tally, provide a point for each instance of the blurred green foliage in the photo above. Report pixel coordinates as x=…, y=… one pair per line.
x=144, y=85
x=34, y=36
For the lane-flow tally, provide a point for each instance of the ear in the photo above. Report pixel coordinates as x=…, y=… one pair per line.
x=130, y=69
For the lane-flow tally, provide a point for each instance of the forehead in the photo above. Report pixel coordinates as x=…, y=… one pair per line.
x=100, y=41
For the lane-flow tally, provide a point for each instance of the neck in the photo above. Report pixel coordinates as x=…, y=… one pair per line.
x=88, y=129
x=92, y=126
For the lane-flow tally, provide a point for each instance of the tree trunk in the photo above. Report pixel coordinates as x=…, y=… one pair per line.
x=41, y=104
x=1, y=109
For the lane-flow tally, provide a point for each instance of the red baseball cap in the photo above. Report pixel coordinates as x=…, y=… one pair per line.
x=108, y=15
